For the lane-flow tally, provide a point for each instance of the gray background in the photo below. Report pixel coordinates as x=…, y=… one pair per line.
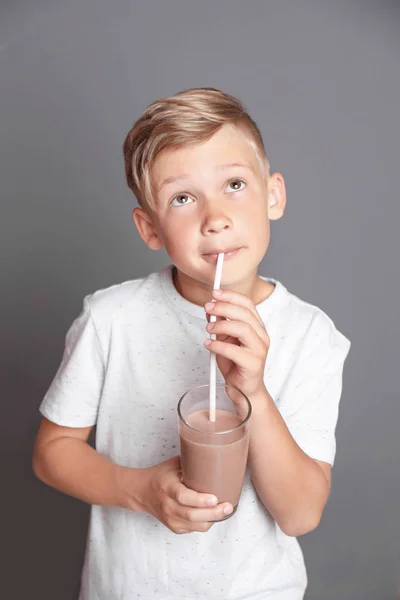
x=322, y=81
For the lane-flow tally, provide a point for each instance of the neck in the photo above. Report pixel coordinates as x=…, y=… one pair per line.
x=199, y=293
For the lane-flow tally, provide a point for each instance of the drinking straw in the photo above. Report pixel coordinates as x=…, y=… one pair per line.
x=213, y=359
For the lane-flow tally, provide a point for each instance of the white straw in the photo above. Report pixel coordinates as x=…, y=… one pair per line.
x=213, y=360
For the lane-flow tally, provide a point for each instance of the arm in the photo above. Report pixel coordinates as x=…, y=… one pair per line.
x=64, y=460
x=293, y=487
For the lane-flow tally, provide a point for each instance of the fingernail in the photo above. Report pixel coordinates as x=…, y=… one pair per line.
x=210, y=326
x=207, y=342
x=209, y=305
x=228, y=510
x=217, y=292
x=212, y=501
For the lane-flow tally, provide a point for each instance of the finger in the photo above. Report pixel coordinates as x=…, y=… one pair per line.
x=208, y=317
x=204, y=515
x=202, y=527
x=237, y=354
x=243, y=332
x=187, y=497
x=244, y=303
x=192, y=527
x=233, y=312
x=237, y=299
x=181, y=530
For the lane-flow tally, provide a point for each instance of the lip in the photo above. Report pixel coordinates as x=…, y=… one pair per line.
x=229, y=254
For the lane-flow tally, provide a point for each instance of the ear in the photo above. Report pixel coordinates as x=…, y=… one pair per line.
x=276, y=196
x=146, y=228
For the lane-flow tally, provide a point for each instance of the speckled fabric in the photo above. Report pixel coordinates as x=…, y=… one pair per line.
x=133, y=351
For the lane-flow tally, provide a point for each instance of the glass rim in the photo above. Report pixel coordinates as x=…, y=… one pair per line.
x=218, y=385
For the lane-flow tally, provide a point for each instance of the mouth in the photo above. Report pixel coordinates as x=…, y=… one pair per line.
x=229, y=254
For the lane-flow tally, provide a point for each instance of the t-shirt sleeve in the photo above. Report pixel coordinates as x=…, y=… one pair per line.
x=310, y=399
x=74, y=394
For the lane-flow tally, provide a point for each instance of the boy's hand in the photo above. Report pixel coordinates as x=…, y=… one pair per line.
x=181, y=509
x=242, y=342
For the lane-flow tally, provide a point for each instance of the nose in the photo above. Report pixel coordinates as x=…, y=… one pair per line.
x=215, y=221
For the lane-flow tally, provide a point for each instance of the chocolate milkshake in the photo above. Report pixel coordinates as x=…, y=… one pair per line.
x=214, y=453
x=214, y=462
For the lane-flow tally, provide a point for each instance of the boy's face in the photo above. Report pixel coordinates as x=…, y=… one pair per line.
x=212, y=198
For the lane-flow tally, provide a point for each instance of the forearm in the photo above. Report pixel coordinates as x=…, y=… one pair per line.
x=75, y=468
x=291, y=485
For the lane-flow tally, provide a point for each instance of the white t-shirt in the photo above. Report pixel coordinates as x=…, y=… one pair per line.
x=130, y=355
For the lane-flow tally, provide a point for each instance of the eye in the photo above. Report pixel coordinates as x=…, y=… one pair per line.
x=181, y=199
x=236, y=185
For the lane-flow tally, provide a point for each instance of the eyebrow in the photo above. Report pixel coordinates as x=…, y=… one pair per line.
x=184, y=176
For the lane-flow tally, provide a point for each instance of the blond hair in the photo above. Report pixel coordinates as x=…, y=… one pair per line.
x=188, y=118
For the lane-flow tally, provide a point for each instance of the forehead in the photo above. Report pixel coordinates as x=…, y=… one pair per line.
x=230, y=144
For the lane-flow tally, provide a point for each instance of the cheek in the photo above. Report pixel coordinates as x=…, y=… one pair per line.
x=256, y=219
x=263, y=227
x=260, y=235
x=178, y=236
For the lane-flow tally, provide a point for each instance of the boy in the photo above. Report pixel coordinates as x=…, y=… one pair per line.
x=197, y=165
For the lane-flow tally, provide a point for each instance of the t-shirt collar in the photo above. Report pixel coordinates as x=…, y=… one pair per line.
x=264, y=308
